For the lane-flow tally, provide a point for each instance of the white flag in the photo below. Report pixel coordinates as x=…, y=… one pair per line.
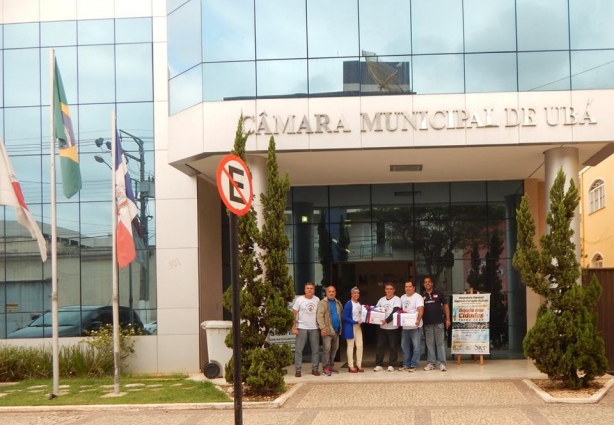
x=11, y=195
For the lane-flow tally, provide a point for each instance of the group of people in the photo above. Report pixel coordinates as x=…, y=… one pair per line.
x=327, y=318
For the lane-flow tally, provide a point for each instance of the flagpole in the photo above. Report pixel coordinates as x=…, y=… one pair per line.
x=116, y=353
x=54, y=239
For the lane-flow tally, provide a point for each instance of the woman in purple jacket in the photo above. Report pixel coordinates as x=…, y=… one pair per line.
x=352, y=331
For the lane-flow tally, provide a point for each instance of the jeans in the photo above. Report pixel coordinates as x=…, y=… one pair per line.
x=434, y=336
x=301, y=340
x=330, y=345
x=410, y=345
x=357, y=340
x=390, y=338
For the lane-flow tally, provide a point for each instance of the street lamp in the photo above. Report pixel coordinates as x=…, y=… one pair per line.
x=145, y=190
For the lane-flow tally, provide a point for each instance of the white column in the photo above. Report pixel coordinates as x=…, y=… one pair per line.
x=567, y=159
x=257, y=166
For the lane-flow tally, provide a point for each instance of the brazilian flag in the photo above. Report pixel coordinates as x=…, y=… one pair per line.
x=63, y=132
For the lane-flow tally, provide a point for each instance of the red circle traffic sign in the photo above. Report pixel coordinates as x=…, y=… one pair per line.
x=234, y=184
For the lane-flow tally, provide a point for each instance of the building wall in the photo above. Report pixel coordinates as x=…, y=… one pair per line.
x=598, y=226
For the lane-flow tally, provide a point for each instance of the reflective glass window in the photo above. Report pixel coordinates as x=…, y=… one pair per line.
x=1, y=36
x=431, y=193
x=186, y=90
x=282, y=77
x=94, y=124
x=591, y=24
x=494, y=72
x=96, y=74
x=96, y=179
x=98, y=31
x=1, y=79
x=21, y=35
x=137, y=119
x=385, y=27
x=134, y=30
x=66, y=58
x=55, y=34
x=383, y=74
x=332, y=28
x=225, y=81
x=328, y=76
x=539, y=71
x=134, y=72
x=228, y=30
x=281, y=29
x=22, y=77
x=171, y=5
x=542, y=24
x=438, y=74
x=437, y=26
x=184, y=38
x=592, y=70
x=490, y=26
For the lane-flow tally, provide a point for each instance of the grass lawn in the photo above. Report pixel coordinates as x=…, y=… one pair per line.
x=138, y=389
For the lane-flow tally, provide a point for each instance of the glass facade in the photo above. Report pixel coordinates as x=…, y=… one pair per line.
x=366, y=235
x=241, y=49
x=105, y=64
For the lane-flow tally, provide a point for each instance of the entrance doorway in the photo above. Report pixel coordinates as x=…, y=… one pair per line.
x=370, y=278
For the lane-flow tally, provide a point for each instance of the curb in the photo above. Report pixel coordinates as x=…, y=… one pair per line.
x=595, y=398
x=277, y=403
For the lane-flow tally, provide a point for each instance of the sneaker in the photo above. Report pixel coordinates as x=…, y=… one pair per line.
x=411, y=369
x=297, y=374
x=390, y=369
x=378, y=369
x=315, y=372
x=442, y=367
x=403, y=368
x=429, y=366
x=326, y=372
x=333, y=370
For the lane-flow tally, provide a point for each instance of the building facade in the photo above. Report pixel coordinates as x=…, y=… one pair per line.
x=409, y=129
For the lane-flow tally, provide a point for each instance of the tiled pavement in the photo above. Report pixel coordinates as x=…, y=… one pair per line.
x=382, y=398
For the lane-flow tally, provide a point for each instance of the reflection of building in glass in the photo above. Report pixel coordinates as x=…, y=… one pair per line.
x=374, y=74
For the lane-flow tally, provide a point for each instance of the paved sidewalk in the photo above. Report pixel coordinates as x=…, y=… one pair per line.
x=466, y=394
x=374, y=403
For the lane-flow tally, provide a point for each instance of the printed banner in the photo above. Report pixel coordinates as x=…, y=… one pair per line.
x=471, y=324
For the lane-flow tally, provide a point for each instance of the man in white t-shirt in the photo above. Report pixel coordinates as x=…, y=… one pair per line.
x=411, y=302
x=387, y=334
x=305, y=327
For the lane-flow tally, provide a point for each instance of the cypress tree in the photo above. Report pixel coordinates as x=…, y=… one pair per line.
x=564, y=342
x=266, y=292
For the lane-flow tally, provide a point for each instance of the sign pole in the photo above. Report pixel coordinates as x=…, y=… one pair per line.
x=236, y=320
x=234, y=185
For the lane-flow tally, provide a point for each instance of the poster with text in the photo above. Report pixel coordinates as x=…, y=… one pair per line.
x=471, y=324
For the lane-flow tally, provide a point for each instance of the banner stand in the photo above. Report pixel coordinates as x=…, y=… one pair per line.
x=473, y=356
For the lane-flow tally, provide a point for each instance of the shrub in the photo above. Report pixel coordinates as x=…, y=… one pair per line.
x=91, y=357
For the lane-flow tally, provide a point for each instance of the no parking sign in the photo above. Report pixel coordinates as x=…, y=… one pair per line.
x=234, y=184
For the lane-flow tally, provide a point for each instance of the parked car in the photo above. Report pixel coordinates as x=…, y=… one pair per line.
x=151, y=328
x=77, y=321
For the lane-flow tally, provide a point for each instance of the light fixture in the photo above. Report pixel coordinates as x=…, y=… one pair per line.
x=406, y=167
x=304, y=219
